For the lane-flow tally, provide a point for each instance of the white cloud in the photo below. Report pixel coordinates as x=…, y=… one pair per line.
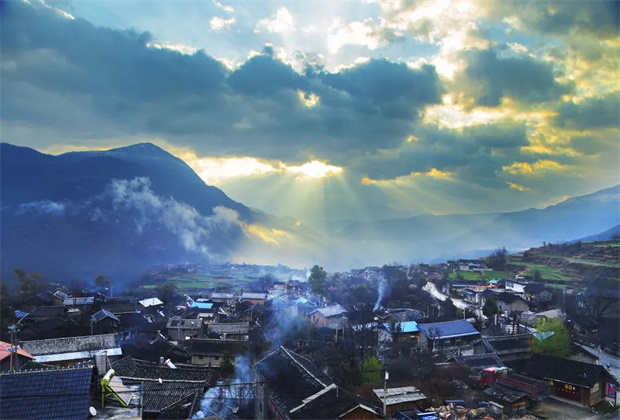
x=218, y=23
x=353, y=33
x=281, y=23
x=181, y=48
x=224, y=7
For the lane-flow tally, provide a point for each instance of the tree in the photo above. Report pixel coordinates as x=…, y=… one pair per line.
x=601, y=298
x=226, y=367
x=102, y=281
x=552, y=338
x=29, y=283
x=317, y=280
x=536, y=276
x=497, y=260
x=372, y=371
x=166, y=291
x=490, y=308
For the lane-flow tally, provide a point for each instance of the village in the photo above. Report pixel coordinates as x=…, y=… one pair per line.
x=400, y=342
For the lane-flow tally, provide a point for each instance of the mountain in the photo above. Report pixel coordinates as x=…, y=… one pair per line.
x=427, y=237
x=608, y=235
x=122, y=211
x=118, y=212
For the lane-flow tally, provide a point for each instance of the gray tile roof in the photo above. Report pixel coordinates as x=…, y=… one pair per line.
x=46, y=394
x=290, y=378
x=332, y=310
x=229, y=328
x=102, y=314
x=79, y=301
x=399, y=395
x=72, y=344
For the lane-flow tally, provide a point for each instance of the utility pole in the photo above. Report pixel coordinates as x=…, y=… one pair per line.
x=13, y=329
x=385, y=379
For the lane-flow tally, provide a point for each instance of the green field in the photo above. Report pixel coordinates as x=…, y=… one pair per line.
x=547, y=273
x=199, y=282
x=486, y=276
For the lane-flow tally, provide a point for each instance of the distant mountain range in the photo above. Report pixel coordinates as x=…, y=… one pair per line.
x=122, y=211
x=430, y=237
x=608, y=235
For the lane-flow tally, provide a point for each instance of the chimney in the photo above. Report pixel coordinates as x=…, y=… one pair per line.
x=161, y=361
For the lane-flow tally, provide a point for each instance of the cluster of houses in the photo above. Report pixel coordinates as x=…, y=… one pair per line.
x=218, y=355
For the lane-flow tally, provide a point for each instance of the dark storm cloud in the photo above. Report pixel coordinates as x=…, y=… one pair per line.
x=488, y=78
x=591, y=113
x=596, y=18
x=394, y=89
x=88, y=82
x=475, y=154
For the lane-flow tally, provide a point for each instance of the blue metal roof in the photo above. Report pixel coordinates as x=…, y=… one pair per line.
x=46, y=394
x=540, y=336
x=201, y=305
x=458, y=328
x=405, y=327
x=20, y=314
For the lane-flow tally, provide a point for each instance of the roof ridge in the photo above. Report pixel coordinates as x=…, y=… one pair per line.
x=302, y=366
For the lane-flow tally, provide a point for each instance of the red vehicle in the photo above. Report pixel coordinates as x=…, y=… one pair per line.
x=491, y=375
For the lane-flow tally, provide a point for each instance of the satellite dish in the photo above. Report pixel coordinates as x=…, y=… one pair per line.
x=92, y=411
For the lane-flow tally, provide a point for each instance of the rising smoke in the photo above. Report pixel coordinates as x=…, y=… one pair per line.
x=237, y=392
x=381, y=288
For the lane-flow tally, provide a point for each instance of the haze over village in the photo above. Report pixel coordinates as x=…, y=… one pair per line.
x=309, y=210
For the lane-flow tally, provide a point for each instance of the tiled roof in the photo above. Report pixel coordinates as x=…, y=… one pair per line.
x=119, y=307
x=210, y=347
x=290, y=378
x=55, y=346
x=46, y=394
x=184, y=323
x=79, y=301
x=141, y=349
x=331, y=402
x=129, y=367
x=47, y=312
x=399, y=395
x=479, y=361
x=4, y=351
x=534, y=287
x=449, y=329
x=229, y=328
x=216, y=295
x=504, y=344
x=150, y=302
x=508, y=297
x=504, y=393
x=157, y=397
x=254, y=296
x=332, y=310
x=540, y=366
x=103, y=314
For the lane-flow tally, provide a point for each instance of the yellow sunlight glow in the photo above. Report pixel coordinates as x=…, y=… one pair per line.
x=517, y=187
x=525, y=168
x=313, y=169
x=214, y=170
x=269, y=236
x=308, y=99
x=433, y=173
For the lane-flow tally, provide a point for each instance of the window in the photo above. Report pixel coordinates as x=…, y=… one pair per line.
x=200, y=357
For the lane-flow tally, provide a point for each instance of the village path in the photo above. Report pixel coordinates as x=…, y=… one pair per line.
x=432, y=289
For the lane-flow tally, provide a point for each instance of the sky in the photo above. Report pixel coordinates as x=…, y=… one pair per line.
x=325, y=110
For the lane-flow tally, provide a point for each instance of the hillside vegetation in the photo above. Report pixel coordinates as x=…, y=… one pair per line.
x=567, y=264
